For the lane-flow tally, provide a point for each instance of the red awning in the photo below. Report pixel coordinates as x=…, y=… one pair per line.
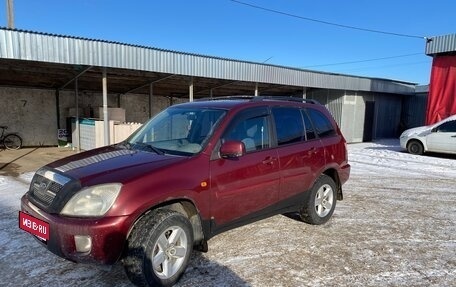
x=442, y=89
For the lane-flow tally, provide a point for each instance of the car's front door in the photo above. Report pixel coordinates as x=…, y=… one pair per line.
x=443, y=138
x=245, y=186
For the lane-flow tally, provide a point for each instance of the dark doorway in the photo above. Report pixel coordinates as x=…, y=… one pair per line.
x=369, y=121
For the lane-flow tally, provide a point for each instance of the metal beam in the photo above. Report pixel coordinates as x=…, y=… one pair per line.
x=151, y=94
x=216, y=87
x=75, y=78
x=76, y=93
x=145, y=85
x=105, y=107
x=267, y=88
x=190, y=91
x=57, y=107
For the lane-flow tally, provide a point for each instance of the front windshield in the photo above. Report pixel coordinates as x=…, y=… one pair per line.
x=177, y=130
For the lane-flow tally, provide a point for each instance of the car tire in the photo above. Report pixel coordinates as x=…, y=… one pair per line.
x=158, y=248
x=415, y=147
x=320, y=201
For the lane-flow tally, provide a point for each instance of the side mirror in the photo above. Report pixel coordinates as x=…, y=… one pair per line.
x=232, y=149
x=434, y=130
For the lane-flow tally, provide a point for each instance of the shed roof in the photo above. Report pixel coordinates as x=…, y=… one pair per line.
x=50, y=61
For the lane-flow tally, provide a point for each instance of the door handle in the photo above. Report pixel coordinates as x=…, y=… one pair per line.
x=269, y=160
x=453, y=136
x=312, y=151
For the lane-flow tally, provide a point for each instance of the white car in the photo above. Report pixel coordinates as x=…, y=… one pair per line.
x=439, y=137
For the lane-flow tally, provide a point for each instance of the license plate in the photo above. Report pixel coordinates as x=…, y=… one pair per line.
x=34, y=226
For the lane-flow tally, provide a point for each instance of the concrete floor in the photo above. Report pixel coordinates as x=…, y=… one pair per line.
x=16, y=162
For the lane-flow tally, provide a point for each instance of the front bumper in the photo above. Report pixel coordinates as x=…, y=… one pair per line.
x=403, y=141
x=108, y=235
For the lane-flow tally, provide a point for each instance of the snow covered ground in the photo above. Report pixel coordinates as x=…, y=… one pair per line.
x=395, y=227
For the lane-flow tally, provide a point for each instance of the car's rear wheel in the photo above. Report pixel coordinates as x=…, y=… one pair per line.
x=320, y=202
x=415, y=147
x=159, y=248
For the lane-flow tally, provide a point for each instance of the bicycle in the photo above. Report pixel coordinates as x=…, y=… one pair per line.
x=11, y=140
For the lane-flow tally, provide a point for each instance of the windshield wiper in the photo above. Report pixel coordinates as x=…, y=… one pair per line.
x=124, y=144
x=144, y=146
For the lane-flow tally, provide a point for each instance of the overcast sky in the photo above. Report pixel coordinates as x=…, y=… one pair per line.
x=297, y=33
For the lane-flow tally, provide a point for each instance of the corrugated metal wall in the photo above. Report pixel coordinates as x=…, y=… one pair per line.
x=414, y=111
x=349, y=110
x=388, y=116
x=354, y=112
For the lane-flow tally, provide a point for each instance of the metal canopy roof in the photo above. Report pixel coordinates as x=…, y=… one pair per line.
x=31, y=59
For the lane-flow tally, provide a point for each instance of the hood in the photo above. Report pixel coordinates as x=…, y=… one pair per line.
x=419, y=131
x=425, y=130
x=112, y=164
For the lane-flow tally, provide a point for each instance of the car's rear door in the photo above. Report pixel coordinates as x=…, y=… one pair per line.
x=301, y=154
x=245, y=186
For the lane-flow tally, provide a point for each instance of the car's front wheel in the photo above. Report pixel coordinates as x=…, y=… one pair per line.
x=415, y=147
x=159, y=248
x=321, y=201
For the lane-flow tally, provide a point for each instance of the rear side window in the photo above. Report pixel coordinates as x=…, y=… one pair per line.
x=289, y=125
x=310, y=133
x=321, y=123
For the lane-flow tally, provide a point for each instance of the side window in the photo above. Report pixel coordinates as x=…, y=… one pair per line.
x=448, y=127
x=310, y=133
x=253, y=132
x=321, y=123
x=289, y=125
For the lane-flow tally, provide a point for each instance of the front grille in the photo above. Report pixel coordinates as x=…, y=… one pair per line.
x=44, y=189
x=46, y=185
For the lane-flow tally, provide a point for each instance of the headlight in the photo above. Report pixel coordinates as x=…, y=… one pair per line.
x=92, y=201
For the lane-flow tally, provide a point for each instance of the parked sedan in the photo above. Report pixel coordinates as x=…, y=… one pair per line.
x=439, y=137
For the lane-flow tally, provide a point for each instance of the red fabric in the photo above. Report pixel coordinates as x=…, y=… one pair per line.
x=442, y=89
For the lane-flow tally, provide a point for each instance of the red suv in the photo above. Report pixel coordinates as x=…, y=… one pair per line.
x=193, y=171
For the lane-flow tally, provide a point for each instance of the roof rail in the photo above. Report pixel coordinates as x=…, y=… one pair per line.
x=262, y=98
x=241, y=97
x=290, y=98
